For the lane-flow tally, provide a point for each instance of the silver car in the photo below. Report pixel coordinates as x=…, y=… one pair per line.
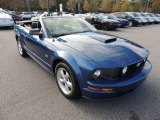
x=6, y=20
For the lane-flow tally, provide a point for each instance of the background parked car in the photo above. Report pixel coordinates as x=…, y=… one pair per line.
x=151, y=20
x=6, y=20
x=39, y=16
x=102, y=22
x=10, y=12
x=36, y=13
x=123, y=22
x=157, y=16
x=26, y=15
x=139, y=17
x=16, y=18
x=156, y=20
x=132, y=20
x=83, y=16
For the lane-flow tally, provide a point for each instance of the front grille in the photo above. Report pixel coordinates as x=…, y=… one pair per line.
x=133, y=69
x=116, y=73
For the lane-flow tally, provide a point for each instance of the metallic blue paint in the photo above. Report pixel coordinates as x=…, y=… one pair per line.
x=85, y=53
x=123, y=22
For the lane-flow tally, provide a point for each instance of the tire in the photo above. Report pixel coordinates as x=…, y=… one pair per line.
x=130, y=24
x=66, y=81
x=105, y=27
x=21, y=50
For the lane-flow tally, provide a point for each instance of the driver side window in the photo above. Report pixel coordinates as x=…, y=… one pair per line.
x=123, y=15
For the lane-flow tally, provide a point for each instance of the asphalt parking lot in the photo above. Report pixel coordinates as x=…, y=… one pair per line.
x=29, y=92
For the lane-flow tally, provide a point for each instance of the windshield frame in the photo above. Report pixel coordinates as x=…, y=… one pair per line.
x=48, y=35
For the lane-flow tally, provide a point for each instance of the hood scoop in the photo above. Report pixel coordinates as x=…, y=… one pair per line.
x=110, y=40
x=104, y=38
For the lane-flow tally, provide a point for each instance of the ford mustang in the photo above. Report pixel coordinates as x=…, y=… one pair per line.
x=85, y=62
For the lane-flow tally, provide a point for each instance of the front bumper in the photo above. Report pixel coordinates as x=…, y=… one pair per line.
x=118, y=88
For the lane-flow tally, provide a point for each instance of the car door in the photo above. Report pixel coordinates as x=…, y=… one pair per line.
x=39, y=48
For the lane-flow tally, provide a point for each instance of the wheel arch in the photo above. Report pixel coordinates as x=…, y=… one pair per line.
x=71, y=62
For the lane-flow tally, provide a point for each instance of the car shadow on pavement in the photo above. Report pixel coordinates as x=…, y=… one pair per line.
x=6, y=28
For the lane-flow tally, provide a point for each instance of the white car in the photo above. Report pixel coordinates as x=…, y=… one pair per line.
x=26, y=15
x=6, y=20
x=83, y=16
x=37, y=17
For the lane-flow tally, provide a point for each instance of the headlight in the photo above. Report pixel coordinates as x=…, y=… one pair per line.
x=106, y=73
x=96, y=74
x=124, y=71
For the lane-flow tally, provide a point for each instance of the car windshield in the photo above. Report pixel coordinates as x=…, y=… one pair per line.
x=134, y=14
x=139, y=15
x=112, y=16
x=131, y=15
x=103, y=16
x=58, y=26
x=143, y=15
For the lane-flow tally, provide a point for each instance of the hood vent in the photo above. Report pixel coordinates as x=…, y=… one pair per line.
x=104, y=38
x=110, y=40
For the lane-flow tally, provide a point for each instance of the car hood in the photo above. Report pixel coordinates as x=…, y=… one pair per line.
x=107, y=51
x=5, y=16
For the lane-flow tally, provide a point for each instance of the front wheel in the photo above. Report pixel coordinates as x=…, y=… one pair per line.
x=21, y=50
x=105, y=27
x=66, y=81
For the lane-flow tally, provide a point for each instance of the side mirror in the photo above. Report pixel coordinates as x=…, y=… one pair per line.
x=35, y=32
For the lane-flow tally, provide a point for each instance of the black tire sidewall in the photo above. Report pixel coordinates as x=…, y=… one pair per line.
x=105, y=27
x=24, y=54
x=76, y=91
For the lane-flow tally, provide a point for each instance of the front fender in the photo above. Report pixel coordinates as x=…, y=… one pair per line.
x=80, y=65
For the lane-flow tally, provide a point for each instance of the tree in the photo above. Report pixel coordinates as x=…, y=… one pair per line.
x=44, y=4
x=71, y=4
x=126, y=7
x=117, y=7
x=94, y=5
x=34, y=5
x=106, y=5
x=155, y=5
x=137, y=7
x=16, y=4
x=86, y=6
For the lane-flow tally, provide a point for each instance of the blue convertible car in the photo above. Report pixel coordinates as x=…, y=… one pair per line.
x=85, y=62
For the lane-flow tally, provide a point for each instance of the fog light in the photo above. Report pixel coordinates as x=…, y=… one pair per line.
x=124, y=70
x=96, y=74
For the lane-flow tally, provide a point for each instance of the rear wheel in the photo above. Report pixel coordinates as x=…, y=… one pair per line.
x=21, y=50
x=66, y=81
x=130, y=24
